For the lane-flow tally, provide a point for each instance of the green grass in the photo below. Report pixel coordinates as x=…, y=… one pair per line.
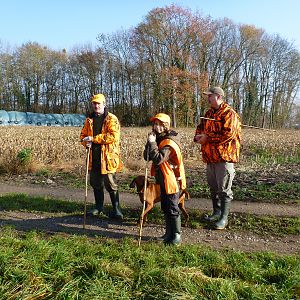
x=283, y=192
x=265, y=156
x=279, y=192
x=33, y=266
x=23, y=202
x=265, y=225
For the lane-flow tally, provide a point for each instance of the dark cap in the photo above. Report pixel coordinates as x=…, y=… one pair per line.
x=215, y=90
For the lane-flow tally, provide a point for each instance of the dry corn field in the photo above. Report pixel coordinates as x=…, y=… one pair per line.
x=59, y=147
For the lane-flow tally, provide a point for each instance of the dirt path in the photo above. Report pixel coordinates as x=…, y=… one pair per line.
x=228, y=239
x=131, y=200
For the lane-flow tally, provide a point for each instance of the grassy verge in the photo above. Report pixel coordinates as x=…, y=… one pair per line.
x=284, y=192
x=37, y=267
x=23, y=202
x=275, y=193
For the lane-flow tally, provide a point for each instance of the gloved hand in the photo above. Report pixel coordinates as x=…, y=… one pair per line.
x=88, y=144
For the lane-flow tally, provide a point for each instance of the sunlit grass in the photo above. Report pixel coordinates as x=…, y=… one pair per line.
x=34, y=266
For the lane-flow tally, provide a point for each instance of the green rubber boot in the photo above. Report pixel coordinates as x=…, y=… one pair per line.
x=223, y=222
x=99, y=200
x=176, y=231
x=215, y=216
x=116, y=213
x=168, y=234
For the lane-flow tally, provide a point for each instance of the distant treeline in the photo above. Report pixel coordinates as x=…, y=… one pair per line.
x=162, y=64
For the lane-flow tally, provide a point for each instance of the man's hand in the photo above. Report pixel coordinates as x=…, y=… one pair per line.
x=87, y=139
x=151, y=137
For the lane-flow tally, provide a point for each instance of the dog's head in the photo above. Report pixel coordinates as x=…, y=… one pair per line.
x=138, y=183
x=132, y=185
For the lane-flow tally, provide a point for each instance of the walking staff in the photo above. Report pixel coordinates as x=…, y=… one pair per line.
x=86, y=183
x=144, y=200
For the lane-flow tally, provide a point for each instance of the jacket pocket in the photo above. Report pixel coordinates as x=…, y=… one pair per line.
x=112, y=160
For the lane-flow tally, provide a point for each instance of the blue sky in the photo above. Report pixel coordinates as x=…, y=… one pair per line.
x=62, y=24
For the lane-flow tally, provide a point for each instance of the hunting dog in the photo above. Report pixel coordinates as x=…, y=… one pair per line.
x=153, y=196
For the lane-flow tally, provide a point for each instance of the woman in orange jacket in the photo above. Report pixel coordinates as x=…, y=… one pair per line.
x=162, y=148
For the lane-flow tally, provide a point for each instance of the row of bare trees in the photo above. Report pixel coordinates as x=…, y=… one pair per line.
x=163, y=64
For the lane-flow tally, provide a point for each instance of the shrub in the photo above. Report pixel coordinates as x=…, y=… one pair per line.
x=18, y=163
x=25, y=157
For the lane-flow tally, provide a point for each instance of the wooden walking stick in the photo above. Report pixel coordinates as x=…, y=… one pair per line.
x=144, y=202
x=86, y=183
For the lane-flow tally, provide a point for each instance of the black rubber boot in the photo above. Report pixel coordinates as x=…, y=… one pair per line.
x=176, y=231
x=216, y=212
x=116, y=213
x=99, y=200
x=223, y=222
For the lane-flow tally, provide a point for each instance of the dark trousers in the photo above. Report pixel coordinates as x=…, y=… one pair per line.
x=98, y=181
x=169, y=203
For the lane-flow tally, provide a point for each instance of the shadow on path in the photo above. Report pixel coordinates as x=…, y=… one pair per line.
x=22, y=221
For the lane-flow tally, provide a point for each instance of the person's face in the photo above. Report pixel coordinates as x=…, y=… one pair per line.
x=158, y=126
x=98, y=108
x=214, y=100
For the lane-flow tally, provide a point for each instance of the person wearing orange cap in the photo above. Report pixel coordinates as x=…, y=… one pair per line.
x=163, y=149
x=219, y=136
x=101, y=133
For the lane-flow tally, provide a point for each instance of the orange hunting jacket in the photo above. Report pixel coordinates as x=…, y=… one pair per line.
x=173, y=169
x=109, y=138
x=223, y=135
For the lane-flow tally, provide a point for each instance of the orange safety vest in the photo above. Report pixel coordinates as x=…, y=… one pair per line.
x=173, y=169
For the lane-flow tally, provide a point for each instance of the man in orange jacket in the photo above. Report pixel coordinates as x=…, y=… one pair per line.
x=220, y=146
x=101, y=132
x=162, y=148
